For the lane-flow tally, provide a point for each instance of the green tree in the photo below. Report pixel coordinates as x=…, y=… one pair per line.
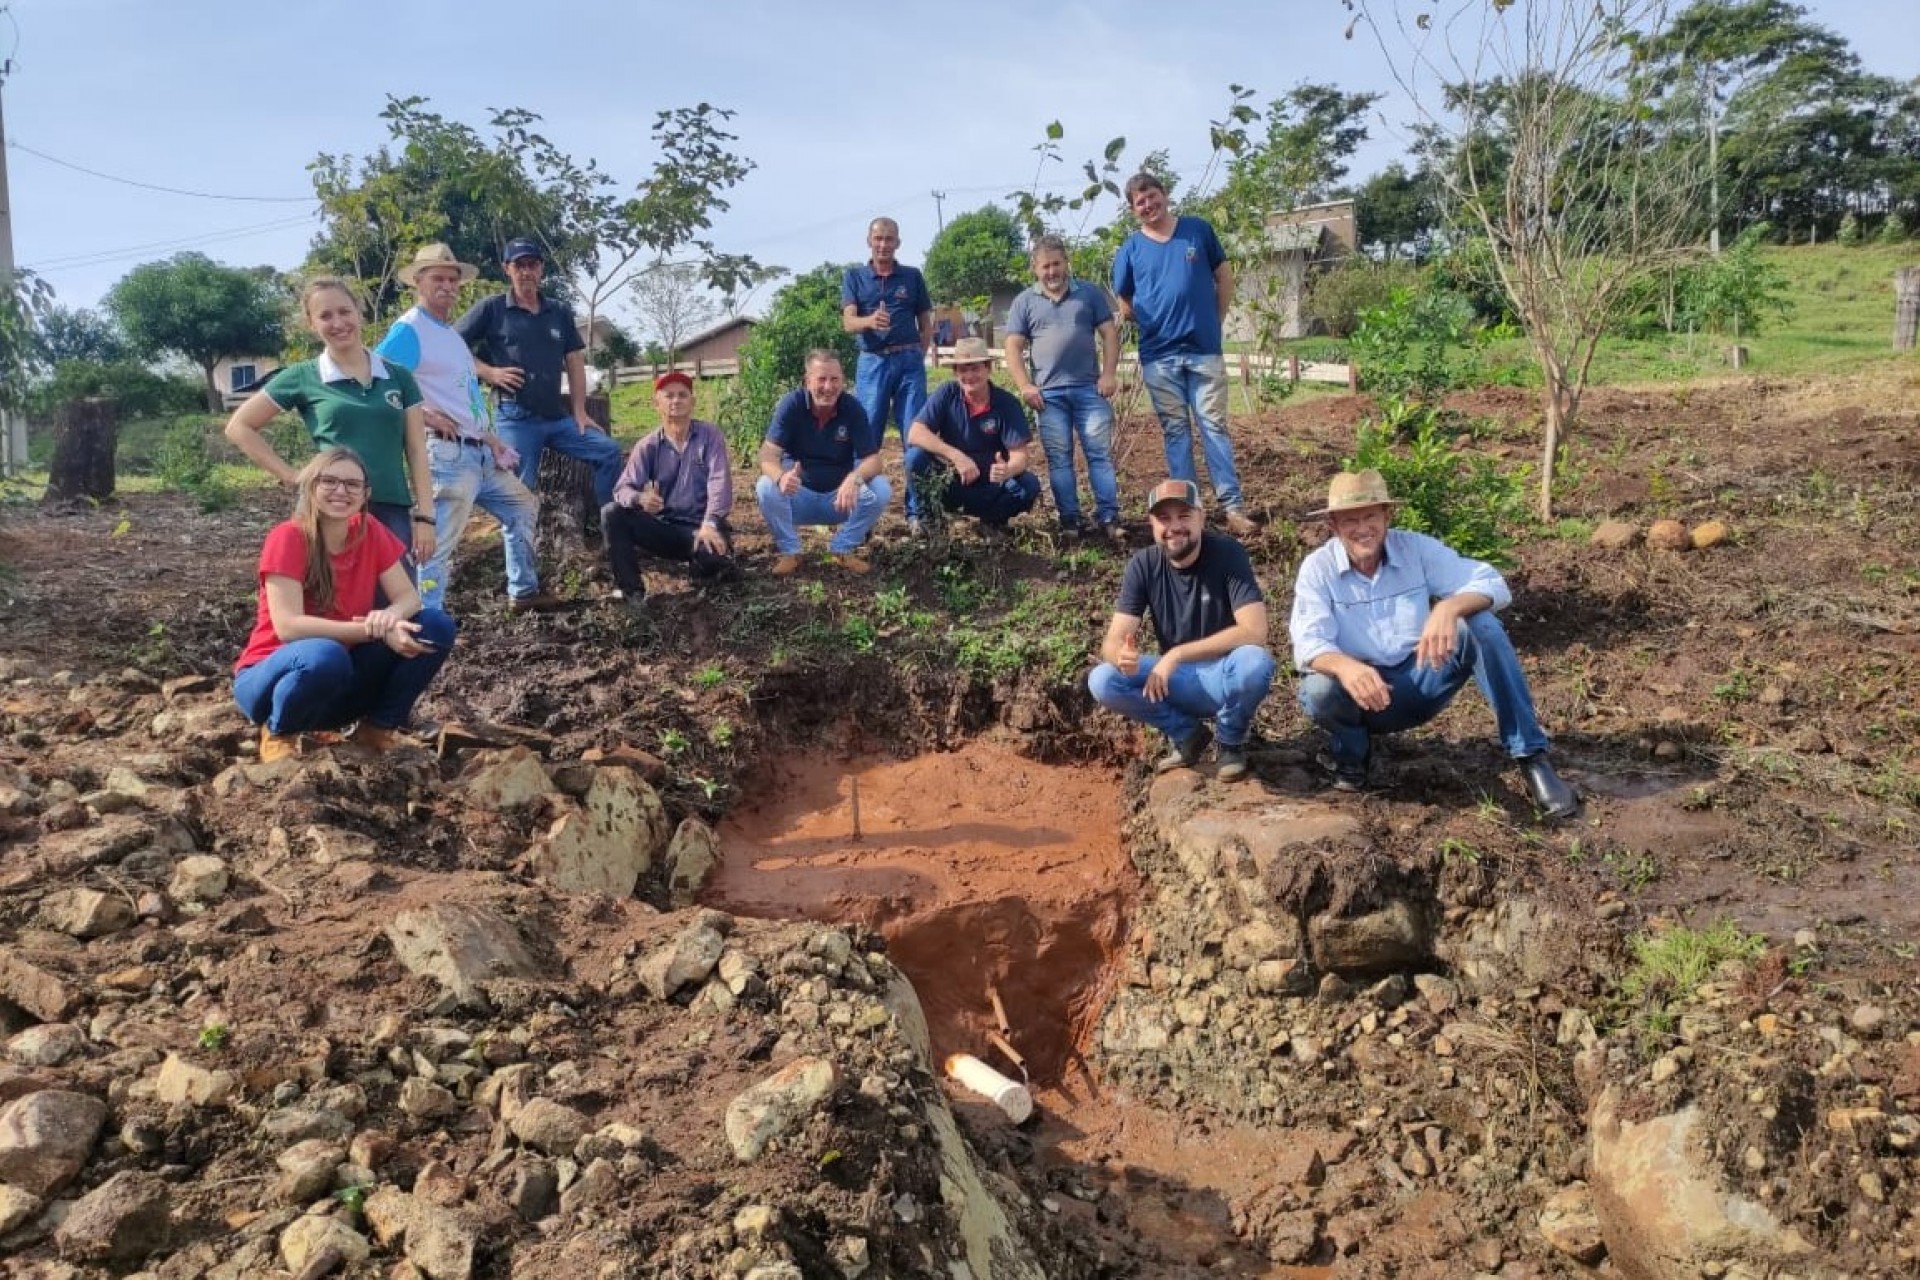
x=1395, y=213
x=975, y=254
x=805, y=314
x=137, y=390
x=76, y=333
x=24, y=299
x=193, y=307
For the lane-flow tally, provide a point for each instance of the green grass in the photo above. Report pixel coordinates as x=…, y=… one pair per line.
x=1668, y=967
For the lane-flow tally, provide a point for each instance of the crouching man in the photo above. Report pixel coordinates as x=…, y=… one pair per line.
x=1388, y=625
x=1211, y=621
x=674, y=497
x=967, y=448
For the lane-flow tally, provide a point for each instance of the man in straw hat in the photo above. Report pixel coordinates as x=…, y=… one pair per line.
x=1387, y=627
x=674, y=497
x=470, y=466
x=1211, y=621
x=969, y=442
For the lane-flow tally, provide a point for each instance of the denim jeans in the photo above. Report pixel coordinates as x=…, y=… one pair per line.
x=1227, y=690
x=785, y=514
x=323, y=684
x=529, y=435
x=629, y=531
x=1189, y=390
x=1080, y=412
x=464, y=477
x=397, y=519
x=1418, y=694
x=984, y=500
x=893, y=384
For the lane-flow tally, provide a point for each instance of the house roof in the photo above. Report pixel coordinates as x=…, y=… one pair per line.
x=1295, y=238
x=717, y=330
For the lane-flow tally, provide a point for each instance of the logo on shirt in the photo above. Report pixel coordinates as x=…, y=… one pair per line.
x=393, y=398
x=1193, y=251
x=990, y=426
x=841, y=435
x=554, y=332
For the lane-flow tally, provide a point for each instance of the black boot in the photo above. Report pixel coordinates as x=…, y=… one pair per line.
x=1551, y=796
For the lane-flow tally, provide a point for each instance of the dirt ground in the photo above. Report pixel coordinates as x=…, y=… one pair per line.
x=1742, y=720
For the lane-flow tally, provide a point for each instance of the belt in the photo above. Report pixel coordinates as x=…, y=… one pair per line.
x=475, y=441
x=898, y=347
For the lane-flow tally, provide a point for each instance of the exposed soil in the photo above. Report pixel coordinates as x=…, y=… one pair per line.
x=1743, y=721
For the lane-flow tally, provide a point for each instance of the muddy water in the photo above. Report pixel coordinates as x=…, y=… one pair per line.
x=992, y=876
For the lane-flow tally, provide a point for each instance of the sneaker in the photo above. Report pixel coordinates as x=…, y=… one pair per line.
x=1230, y=763
x=1344, y=776
x=1240, y=524
x=1185, y=752
x=633, y=602
x=786, y=566
x=853, y=562
x=371, y=737
x=1071, y=530
x=538, y=602
x=277, y=746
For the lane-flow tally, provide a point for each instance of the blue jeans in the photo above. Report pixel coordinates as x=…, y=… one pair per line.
x=1189, y=390
x=464, y=477
x=397, y=519
x=785, y=514
x=893, y=384
x=1418, y=694
x=323, y=684
x=529, y=435
x=1227, y=690
x=986, y=501
x=1084, y=413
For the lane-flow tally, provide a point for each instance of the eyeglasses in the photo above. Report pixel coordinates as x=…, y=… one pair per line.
x=339, y=483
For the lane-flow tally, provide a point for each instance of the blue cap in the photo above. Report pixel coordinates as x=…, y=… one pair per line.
x=522, y=247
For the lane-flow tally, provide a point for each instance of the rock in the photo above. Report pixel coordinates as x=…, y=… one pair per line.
x=1567, y=1222
x=1397, y=936
x=1291, y=1238
x=40, y=993
x=535, y=1189
x=691, y=857
x=777, y=1104
x=1662, y=1206
x=123, y=1219
x=424, y=1100
x=310, y=1236
x=331, y=846
x=1615, y=535
x=1867, y=1019
x=505, y=779
x=1668, y=535
x=685, y=961
x=1260, y=939
x=46, y=1138
x=600, y=1182
x=181, y=686
x=306, y=1170
x=200, y=878
x=441, y=1241
x=182, y=1082
x=47, y=1045
x=460, y=947
x=607, y=844
x=549, y=1127
x=17, y=1206
x=86, y=913
x=1279, y=978
x=1710, y=534
x=1440, y=994
x=297, y=1124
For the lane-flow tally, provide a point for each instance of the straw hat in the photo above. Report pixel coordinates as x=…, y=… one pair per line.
x=436, y=255
x=1352, y=490
x=971, y=351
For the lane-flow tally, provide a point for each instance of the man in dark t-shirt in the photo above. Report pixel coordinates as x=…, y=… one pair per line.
x=968, y=445
x=820, y=465
x=1211, y=623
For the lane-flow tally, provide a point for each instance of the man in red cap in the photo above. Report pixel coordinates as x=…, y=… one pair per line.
x=674, y=497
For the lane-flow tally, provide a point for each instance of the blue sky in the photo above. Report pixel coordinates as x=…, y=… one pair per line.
x=846, y=115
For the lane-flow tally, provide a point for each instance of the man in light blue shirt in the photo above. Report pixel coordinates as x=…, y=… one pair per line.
x=1387, y=627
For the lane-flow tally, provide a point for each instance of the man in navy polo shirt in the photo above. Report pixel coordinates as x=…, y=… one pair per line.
x=522, y=342
x=820, y=464
x=1173, y=280
x=886, y=306
x=969, y=443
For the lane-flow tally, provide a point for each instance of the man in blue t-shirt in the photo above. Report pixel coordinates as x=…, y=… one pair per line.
x=969, y=445
x=1210, y=619
x=1174, y=281
x=885, y=305
x=820, y=464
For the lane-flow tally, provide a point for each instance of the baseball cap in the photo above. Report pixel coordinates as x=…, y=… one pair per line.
x=1175, y=491
x=522, y=247
x=670, y=377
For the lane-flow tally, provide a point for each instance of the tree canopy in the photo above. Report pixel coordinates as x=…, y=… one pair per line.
x=193, y=307
x=975, y=254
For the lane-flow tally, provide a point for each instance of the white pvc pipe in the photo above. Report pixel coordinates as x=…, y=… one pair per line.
x=1010, y=1096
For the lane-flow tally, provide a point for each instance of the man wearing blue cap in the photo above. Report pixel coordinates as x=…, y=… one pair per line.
x=1211, y=621
x=522, y=342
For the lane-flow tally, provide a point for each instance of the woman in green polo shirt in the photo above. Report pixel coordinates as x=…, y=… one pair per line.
x=352, y=399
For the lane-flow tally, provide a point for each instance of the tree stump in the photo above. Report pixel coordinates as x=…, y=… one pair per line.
x=82, y=468
x=1906, y=307
x=569, y=508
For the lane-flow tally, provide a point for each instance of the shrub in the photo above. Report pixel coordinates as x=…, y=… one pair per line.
x=135, y=389
x=185, y=462
x=1891, y=231
x=1464, y=499
x=1337, y=299
x=804, y=315
x=1849, y=233
x=1410, y=344
x=1735, y=293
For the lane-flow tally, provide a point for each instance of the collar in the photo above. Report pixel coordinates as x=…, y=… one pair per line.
x=1344, y=562
x=871, y=266
x=331, y=372
x=420, y=309
x=540, y=302
x=1064, y=293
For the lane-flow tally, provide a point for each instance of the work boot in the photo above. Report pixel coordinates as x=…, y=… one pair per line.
x=1116, y=532
x=1343, y=774
x=1230, y=763
x=1185, y=752
x=853, y=562
x=1551, y=796
x=1240, y=524
x=538, y=602
x=375, y=739
x=632, y=603
x=277, y=746
x=786, y=566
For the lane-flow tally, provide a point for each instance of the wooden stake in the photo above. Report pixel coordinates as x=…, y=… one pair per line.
x=854, y=782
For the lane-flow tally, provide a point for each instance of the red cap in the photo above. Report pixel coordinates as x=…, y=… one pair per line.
x=670, y=377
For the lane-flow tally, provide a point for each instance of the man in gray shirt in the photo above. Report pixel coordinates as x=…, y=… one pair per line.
x=1068, y=328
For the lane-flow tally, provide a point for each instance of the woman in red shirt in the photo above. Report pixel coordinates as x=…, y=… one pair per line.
x=321, y=654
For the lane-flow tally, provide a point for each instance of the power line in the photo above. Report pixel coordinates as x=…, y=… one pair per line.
x=100, y=256
x=154, y=186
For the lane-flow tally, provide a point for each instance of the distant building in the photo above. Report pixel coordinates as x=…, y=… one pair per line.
x=722, y=342
x=1274, y=276
x=237, y=377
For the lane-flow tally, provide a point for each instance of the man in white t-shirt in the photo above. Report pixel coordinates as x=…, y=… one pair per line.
x=471, y=466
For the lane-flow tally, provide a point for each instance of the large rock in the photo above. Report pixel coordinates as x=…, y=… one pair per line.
x=47, y=1045
x=17, y=1207
x=309, y=1236
x=460, y=947
x=684, y=962
x=1615, y=535
x=777, y=1105
x=46, y=1137
x=1397, y=936
x=182, y=1082
x=123, y=1219
x=610, y=841
x=1568, y=1223
x=86, y=913
x=549, y=1127
x=1663, y=1207
x=506, y=779
x=42, y=994
x=200, y=878
x=691, y=858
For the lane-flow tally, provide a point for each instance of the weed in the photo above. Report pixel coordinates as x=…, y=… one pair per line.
x=721, y=733
x=213, y=1037
x=859, y=635
x=1667, y=968
x=890, y=608
x=1636, y=871
x=354, y=1198
x=673, y=742
x=814, y=593
x=709, y=677
x=960, y=592
x=1453, y=849
x=1737, y=687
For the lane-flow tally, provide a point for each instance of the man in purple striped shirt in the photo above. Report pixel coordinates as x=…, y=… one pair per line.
x=674, y=497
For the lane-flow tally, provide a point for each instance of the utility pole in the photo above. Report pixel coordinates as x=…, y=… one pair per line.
x=13, y=427
x=939, y=207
